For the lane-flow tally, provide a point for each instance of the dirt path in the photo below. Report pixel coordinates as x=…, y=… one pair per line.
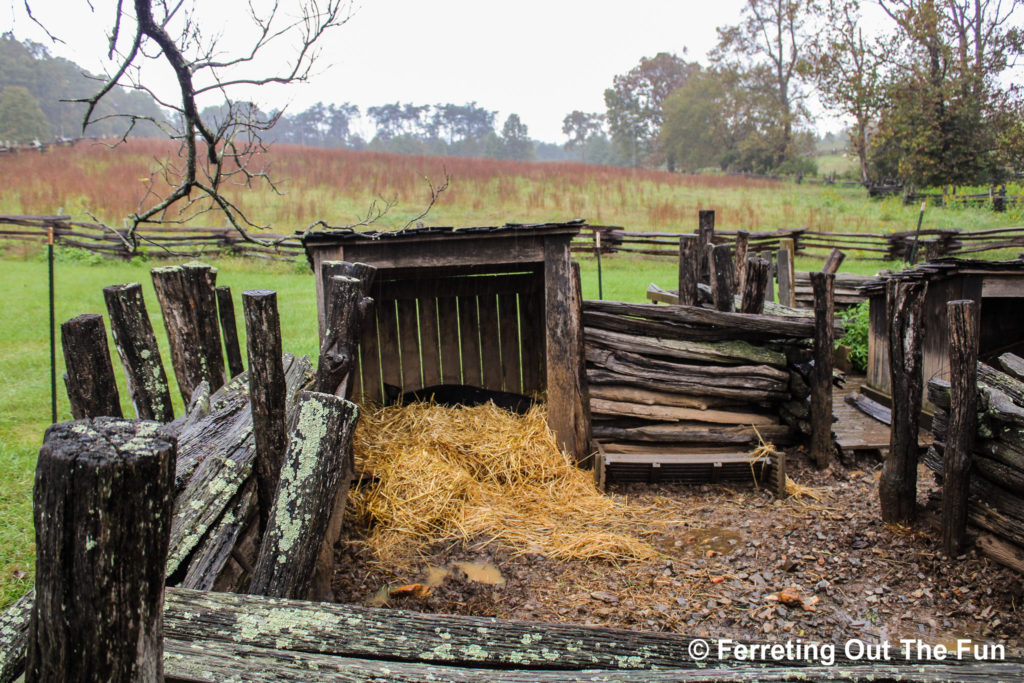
x=736, y=562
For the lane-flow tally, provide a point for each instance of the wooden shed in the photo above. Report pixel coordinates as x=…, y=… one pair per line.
x=997, y=285
x=489, y=307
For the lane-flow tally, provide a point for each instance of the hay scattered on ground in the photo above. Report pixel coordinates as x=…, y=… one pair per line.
x=442, y=473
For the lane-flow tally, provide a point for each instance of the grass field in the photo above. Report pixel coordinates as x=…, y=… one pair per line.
x=337, y=186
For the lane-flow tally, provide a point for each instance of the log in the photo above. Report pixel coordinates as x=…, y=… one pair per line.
x=756, y=276
x=741, y=376
x=1004, y=453
x=733, y=353
x=664, y=382
x=834, y=259
x=770, y=287
x=722, y=277
x=960, y=434
x=1004, y=553
x=868, y=407
x=744, y=325
x=266, y=393
x=218, y=545
x=675, y=414
x=740, y=262
x=342, y=332
x=229, y=328
x=705, y=238
x=140, y=355
x=188, y=302
x=14, y=624
x=1012, y=365
x=92, y=389
x=999, y=473
x=897, y=487
x=1010, y=386
x=624, y=394
x=689, y=269
x=998, y=407
x=784, y=257
x=315, y=462
x=363, y=272
x=694, y=432
x=821, y=447
x=102, y=499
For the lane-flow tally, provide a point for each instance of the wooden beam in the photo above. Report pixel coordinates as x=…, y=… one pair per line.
x=722, y=277
x=706, y=235
x=785, y=272
x=562, y=351
x=756, y=277
x=689, y=269
x=960, y=435
x=833, y=261
x=740, y=262
x=92, y=389
x=229, y=328
x=821, y=376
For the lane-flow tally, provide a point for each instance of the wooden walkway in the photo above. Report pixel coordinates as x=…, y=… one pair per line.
x=856, y=431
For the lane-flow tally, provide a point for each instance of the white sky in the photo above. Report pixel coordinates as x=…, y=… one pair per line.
x=538, y=58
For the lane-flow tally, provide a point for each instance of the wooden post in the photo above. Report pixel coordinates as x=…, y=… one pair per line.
x=102, y=509
x=770, y=287
x=92, y=389
x=740, y=259
x=188, y=303
x=139, y=352
x=963, y=380
x=338, y=350
x=722, y=277
x=267, y=392
x=561, y=347
x=823, y=285
x=834, y=260
x=328, y=269
x=229, y=328
x=758, y=274
x=316, y=460
x=581, y=415
x=706, y=234
x=785, y=274
x=689, y=269
x=897, y=488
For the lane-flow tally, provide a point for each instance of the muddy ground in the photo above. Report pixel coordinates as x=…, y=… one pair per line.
x=734, y=562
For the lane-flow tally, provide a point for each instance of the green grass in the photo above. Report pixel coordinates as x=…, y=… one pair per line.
x=839, y=164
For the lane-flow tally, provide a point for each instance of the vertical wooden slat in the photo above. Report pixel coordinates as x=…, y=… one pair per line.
x=448, y=330
x=430, y=350
x=531, y=325
x=390, y=358
x=369, y=358
x=785, y=272
x=823, y=285
x=490, y=345
x=469, y=341
x=963, y=415
x=408, y=325
x=356, y=378
x=509, y=326
x=560, y=318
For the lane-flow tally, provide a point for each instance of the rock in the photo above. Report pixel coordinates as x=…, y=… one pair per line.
x=605, y=596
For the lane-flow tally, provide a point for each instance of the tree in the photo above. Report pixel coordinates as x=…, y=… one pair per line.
x=21, y=118
x=515, y=140
x=771, y=43
x=634, y=104
x=850, y=72
x=212, y=155
x=580, y=128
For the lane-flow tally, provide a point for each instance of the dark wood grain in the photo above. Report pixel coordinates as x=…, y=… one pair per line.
x=92, y=389
x=963, y=380
x=229, y=329
x=821, y=376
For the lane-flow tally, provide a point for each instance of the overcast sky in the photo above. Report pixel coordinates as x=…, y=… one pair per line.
x=538, y=58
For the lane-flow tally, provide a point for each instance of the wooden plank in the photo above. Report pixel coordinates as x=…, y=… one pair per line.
x=697, y=458
x=821, y=375
x=448, y=332
x=562, y=355
x=430, y=347
x=675, y=414
x=785, y=275
x=92, y=389
x=409, y=342
x=469, y=341
x=421, y=287
x=369, y=359
x=448, y=252
x=490, y=347
x=745, y=324
x=962, y=429
x=1002, y=286
x=388, y=339
x=531, y=307
x=689, y=269
x=508, y=312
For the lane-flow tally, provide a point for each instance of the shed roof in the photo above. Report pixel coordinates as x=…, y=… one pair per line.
x=945, y=268
x=333, y=237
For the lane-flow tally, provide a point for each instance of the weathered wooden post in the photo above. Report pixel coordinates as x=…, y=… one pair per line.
x=770, y=287
x=897, y=488
x=363, y=272
x=267, y=392
x=963, y=380
x=92, y=389
x=833, y=261
x=740, y=255
x=823, y=285
x=316, y=460
x=785, y=274
x=139, y=352
x=706, y=234
x=229, y=328
x=102, y=509
x=758, y=274
x=689, y=269
x=188, y=303
x=722, y=277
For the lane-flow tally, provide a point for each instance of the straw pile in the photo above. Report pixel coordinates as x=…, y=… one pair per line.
x=480, y=473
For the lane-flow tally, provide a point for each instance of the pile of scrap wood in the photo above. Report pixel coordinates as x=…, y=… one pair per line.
x=997, y=460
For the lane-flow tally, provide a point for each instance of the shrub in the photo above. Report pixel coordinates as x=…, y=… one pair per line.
x=855, y=320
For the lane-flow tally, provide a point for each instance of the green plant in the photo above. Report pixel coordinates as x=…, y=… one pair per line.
x=855, y=320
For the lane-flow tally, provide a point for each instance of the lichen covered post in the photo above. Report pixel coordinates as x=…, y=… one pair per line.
x=92, y=389
x=102, y=511
x=314, y=464
x=963, y=381
x=897, y=487
x=140, y=355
